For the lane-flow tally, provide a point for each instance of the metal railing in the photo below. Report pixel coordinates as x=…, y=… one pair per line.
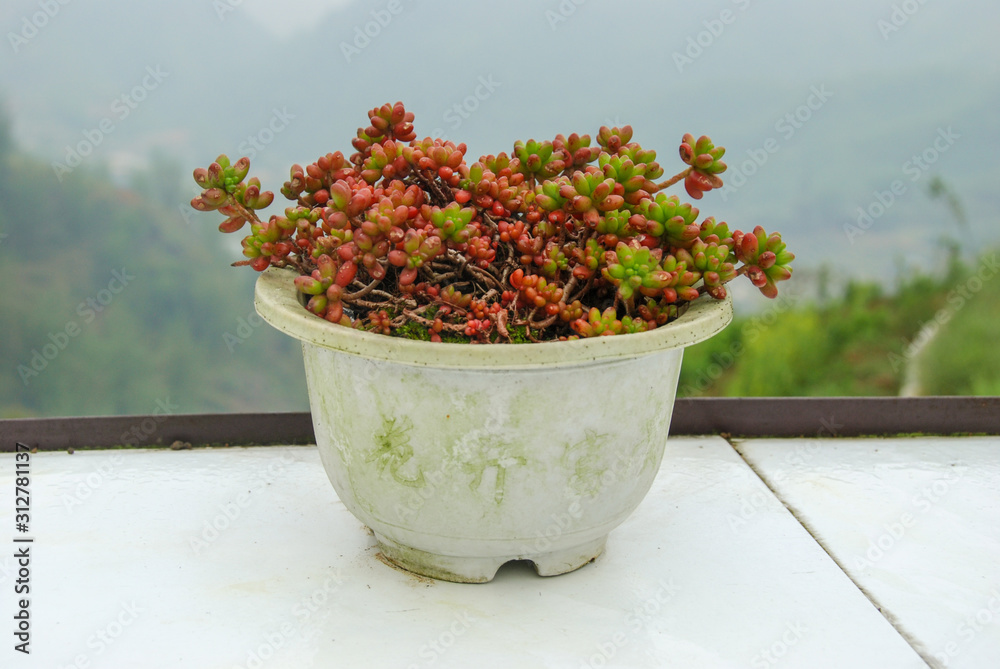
x=732, y=417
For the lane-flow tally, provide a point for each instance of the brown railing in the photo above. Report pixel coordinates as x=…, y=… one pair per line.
x=737, y=417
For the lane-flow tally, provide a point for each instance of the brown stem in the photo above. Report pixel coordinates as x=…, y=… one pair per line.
x=489, y=220
x=350, y=297
x=428, y=273
x=672, y=180
x=395, y=302
x=500, y=319
x=546, y=323
x=385, y=296
x=245, y=212
x=295, y=261
x=429, y=184
x=568, y=288
x=493, y=269
x=451, y=327
x=583, y=291
x=484, y=275
x=456, y=264
x=630, y=306
x=508, y=269
x=490, y=294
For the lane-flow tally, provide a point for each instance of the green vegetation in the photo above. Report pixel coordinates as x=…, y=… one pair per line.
x=861, y=343
x=963, y=358
x=113, y=303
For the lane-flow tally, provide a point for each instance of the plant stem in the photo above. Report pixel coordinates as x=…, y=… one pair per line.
x=451, y=327
x=672, y=180
x=546, y=323
x=487, y=278
x=361, y=293
x=501, y=321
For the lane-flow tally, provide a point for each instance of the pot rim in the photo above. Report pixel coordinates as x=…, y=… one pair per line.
x=275, y=299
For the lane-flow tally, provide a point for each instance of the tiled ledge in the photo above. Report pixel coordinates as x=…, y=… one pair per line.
x=244, y=557
x=914, y=522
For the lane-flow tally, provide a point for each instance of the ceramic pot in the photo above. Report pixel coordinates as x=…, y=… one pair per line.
x=463, y=457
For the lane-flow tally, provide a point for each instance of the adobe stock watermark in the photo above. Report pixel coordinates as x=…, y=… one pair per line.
x=245, y=327
x=893, y=532
x=187, y=212
x=251, y=147
x=434, y=649
x=223, y=7
x=899, y=16
x=32, y=25
x=914, y=168
x=440, y=477
x=144, y=430
x=794, y=458
x=106, y=636
x=970, y=628
x=750, y=331
x=307, y=607
x=461, y=111
x=564, y=10
x=804, y=451
x=418, y=496
x=714, y=28
x=787, y=125
x=636, y=620
x=364, y=34
x=749, y=507
x=458, y=460
x=772, y=654
x=561, y=524
x=229, y=512
x=259, y=141
x=60, y=340
x=121, y=108
x=956, y=299
x=8, y=568
x=94, y=480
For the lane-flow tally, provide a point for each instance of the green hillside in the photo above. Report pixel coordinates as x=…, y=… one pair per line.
x=114, y=304
x=862, y=342
x=963, y=357
x=117, y=303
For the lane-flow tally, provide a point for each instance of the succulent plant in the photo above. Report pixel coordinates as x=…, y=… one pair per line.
x=559, y=239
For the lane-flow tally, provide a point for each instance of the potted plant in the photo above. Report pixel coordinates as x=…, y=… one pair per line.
x=468, y=402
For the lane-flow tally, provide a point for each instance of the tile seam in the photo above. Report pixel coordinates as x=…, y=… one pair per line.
x=889, y=617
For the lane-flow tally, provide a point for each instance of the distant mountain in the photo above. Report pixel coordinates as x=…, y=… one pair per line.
x=823, y=108
x=113, y=305
x=741, y=71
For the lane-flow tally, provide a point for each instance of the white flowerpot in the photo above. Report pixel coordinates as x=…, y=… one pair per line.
x=463, y=457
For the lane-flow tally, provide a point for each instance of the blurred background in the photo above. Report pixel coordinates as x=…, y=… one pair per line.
x=861, y=130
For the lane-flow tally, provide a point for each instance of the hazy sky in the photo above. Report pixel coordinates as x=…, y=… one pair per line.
x=844, y=94
x=274, y=14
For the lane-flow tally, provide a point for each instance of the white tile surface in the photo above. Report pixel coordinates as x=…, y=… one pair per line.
x=915, y=522
x=711, y=571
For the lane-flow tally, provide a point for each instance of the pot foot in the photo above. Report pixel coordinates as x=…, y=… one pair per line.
x=463, y=569
x=567, y=559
